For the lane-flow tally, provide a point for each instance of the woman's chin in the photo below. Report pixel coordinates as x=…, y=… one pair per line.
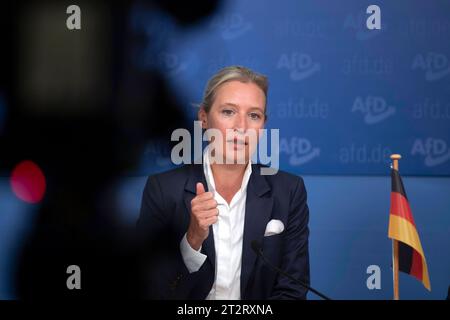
x=231, y=157
x=236, y=159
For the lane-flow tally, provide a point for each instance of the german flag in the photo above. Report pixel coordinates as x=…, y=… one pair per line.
x=411, y=259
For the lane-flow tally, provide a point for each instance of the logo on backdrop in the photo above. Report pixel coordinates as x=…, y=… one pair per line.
x=303, y=109
x=431, y=108
x=374, y=108
x=231, y=26
x=435, y=151
x=300, y=150
x=365, y=153
x=172, y=64
x=299, y=65
x=435, y=65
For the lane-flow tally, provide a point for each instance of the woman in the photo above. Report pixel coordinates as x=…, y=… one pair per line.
x=200, y=220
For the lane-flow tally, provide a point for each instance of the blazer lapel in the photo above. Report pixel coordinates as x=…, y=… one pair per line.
x=197, y=175
x=258, y=211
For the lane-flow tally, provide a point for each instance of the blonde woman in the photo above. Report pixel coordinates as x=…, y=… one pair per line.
x=200, y=219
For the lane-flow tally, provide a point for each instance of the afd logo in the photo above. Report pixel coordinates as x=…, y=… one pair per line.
x=435, y=65
x=171, y=63
x=299, y=150
x=365, y=27
x=299, y=65
x=435, y=151
x=375, y=109
x=231, y=26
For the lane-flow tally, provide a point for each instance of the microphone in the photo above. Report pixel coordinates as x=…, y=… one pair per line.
x=259, y=252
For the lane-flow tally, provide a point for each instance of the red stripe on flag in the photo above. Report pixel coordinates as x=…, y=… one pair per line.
x=400, y=207
x=416, y=266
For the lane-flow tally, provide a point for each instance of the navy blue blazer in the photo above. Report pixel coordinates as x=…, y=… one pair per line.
x=164, y=220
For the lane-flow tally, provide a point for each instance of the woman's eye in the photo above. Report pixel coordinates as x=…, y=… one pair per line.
x=227, y=112
x=255, y=116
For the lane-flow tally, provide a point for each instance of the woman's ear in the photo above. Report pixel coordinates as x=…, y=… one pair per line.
x=202, y=116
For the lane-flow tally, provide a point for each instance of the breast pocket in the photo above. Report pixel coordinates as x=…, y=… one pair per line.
x=274, y=242
x=272, y=247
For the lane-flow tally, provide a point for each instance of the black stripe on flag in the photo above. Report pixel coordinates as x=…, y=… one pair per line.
x=405, y=257
x=397, y=183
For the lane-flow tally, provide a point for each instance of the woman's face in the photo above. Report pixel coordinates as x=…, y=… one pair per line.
x=237, y=110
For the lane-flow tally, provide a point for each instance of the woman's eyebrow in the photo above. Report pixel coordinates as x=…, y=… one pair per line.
x=230, y=104
x=257, y=108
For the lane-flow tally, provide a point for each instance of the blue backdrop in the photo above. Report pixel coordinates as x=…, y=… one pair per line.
x=344, y=97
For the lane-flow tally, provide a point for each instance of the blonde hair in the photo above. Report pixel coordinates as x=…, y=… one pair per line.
x=231, y=73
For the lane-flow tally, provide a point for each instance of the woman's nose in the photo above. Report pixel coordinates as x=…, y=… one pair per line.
x=241, y=123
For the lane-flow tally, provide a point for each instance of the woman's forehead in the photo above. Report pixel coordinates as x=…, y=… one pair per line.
x=241, y=95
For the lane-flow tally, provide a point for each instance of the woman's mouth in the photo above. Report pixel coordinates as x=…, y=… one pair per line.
x=237, y=143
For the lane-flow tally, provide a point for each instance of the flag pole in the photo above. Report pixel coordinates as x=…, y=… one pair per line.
x=395, y=158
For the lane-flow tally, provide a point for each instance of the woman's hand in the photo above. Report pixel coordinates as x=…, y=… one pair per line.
x=204, y=213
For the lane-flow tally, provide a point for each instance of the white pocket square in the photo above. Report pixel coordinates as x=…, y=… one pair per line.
x=274, y=227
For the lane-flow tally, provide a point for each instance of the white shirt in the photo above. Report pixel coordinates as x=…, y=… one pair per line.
x=228, y=235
